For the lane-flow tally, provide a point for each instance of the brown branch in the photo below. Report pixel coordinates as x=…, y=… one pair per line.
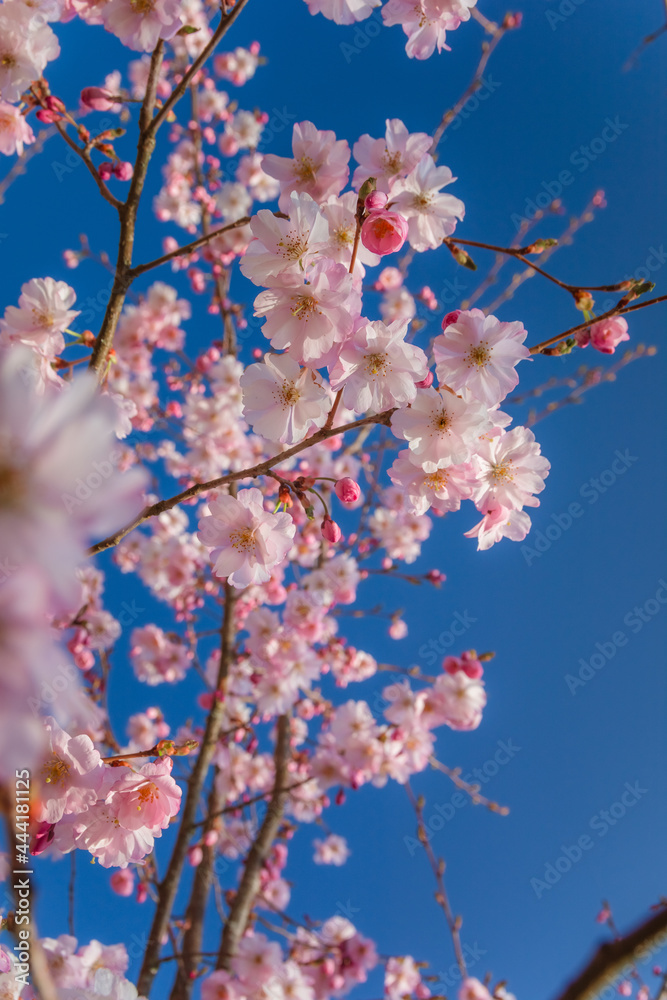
x=188, y=248
x=475, y=84
x=170, y=883
x=245, y=897
x=616, y=311
x=226, y=22
x=205, y=871
x=257, y=470
x=612, y=957
x=438, y=868
x=84, y=154
x=128, y=217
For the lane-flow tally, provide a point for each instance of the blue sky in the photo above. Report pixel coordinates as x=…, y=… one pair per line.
x=552, y=89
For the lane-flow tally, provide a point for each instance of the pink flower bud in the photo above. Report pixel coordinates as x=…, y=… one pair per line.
x=450, y=318
x=228, y=145
x=331, y=531
x=347, y=490
x=42, y=838
x=606, y=335
x=48, y=117
x=195, y=855
x=211, y=838
x=604, y=915
x=105, y=170
x=375, y=201
x=384, y=232
x=123, y=170
x=97, y=99
x=142, y=892
x=425, y=383
x=398, y=629
x=625, y=988
x=122, y=882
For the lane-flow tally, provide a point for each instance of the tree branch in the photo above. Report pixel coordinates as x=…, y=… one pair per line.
x=170, y=883
x=257, y=470
x=244, y=899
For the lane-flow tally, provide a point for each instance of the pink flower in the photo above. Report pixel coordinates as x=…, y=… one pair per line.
x=426, y=22
x=256, y=961
x=375, y=201
x=123, y=170
x=472, y=989
x=331, y=531
x=343, y=11
x=122, y=882
x=147, y=798
x=441, y=428
x=401, y=977
x=480, y=353
x=247, y=541
x=156, y=658
x=606, y=335
x=347, y=490
x=59, y=458
x=97, y=99
x=509, y=469
x=14, y=130
x=443, y=489
x=105, y=838
x=459, y=700
x=499, y=522
x=72, y=775
x=139, y=26
x=467, y=662
x=384, y=232
x=332, y=851
x=27, y=43
x=285, y=247
x=282, y=401
x=311, y=318
x=431, y=215
x=44, y=312
x=390, y=158
x=319, y=166
x=377, y=369
x=398, y=629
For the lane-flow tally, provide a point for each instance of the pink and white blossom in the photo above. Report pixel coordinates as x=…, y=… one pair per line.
x=509, y=469
x=480, y=353
x=318, y=166
x=282, y=401
x=247, y=541
x=440, y=428
x=431, y=214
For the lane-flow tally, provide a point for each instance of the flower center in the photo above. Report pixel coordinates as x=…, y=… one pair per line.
x=392, y=162
x=436, y=480
x=376, y=364
x=441, y=421
x=147, y=793
x=304, y=170
x=422, y=201
x=305, y=306
x=503, y=473
x=142, y=6
x=289, y=395
x=343, y=236
x=8, y=60
x=243, y=540
x=293, y=245
x=56, y=770
x=480, y=355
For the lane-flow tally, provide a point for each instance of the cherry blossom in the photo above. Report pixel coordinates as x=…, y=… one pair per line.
x=139, y=26
x=14, y=130
x=426, y=22
x=283, y=401
x=318, y=167
x=509, y=469
x=441, y=428
x=246, y=540
x=44, y=312
x=605, y=336
x=343, y=11
x=284, y=247
x=500, y=522
x=309, y=319
x=431, y=215
x=377, y=369
x=390, y=158
x=480, y=353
